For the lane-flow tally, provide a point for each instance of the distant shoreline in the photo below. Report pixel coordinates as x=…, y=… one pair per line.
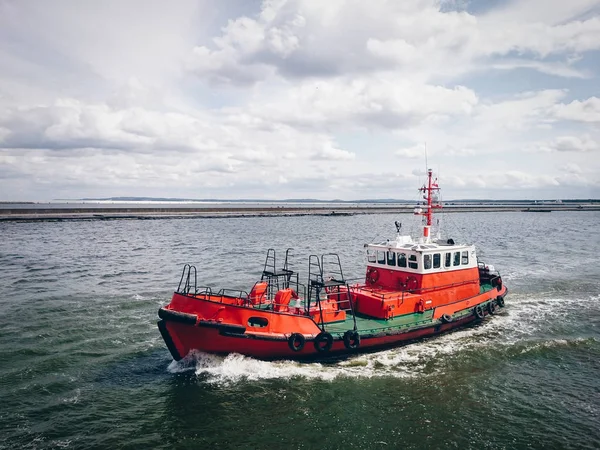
x=99, y=213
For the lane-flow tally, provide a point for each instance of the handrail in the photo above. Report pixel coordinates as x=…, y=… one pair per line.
x=187, y=285
x=421, y=290
x=204, y=291
x=222, y=293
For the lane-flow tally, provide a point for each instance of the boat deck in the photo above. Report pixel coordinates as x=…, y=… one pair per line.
x=371, y=325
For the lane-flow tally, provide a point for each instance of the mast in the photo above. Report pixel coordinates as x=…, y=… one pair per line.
x=427, y=190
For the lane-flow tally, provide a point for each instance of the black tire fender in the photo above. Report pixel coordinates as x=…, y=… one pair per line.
x=491, y=307
x=500, y=301
x=296, y=342
x=176, y=316
x=478, y=312
x=323, y=342
x=446, y=318
x=351, y=339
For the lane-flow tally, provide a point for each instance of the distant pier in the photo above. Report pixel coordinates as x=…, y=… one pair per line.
x=113, y=213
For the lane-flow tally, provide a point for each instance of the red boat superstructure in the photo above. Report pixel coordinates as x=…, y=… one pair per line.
x=412, y=288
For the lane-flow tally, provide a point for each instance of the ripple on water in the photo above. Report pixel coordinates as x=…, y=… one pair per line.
x=83, y=364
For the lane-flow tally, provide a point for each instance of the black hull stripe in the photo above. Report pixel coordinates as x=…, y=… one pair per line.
x=162, y=327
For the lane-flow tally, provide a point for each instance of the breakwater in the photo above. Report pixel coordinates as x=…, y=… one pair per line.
x=111, y=213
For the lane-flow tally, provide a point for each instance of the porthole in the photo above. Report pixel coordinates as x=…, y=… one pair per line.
x=257, y=322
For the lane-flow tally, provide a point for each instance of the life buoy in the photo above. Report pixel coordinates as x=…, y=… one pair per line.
x=446, y=318
x=491, y=307
x=411, y=283
x=500, y=301
x=478, y=311
x=351, y=339
x=296, y=342
x=372, y=275
x=323, y=342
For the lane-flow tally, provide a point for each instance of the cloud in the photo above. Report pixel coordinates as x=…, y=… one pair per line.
x=380, y=102
x=328, y=152
x=552, y=68
x=573, y=168
x=416, y=39
x=70, y=124
x=415, y=152
x=570, y=144
x=582, y=111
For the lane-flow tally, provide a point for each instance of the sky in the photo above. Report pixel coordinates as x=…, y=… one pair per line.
x=288, y=99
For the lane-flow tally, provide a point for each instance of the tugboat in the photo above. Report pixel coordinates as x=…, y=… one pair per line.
x=412, y=288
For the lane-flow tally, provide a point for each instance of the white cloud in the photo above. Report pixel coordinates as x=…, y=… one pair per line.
x=582, y=111
x=380, y=102
x=570, y=144
x=416, y=39
x=552, y=68
x=329, y=152
x=414, y=152
x=573, y=168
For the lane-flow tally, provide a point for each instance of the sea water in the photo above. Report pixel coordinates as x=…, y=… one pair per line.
x=82, y=364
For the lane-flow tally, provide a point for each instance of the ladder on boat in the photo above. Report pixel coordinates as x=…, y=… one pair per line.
x=325, y=275
x=278, y=278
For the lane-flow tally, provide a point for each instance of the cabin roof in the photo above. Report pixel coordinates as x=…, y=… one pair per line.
x=407, y=244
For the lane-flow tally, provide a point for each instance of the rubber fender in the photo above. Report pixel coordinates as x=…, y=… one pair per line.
x=478, y=312
x=446, y=318
x=351, y=339
x=176, y=316
x=162, y=327
x=296, y=342
x=323, y=342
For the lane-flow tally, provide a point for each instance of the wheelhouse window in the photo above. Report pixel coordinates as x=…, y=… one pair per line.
x=380, y=257
x=412, y=262
x=401, y=260
x=465, y=257
x=427, y=262
x=456, y=259
x=391, y=258
x=448, y=261
x=371, y=255
x=437, y=260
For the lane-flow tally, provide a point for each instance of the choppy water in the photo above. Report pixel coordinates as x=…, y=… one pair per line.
x=82, y=364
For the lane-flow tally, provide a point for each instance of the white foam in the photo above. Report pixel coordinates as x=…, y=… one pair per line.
x=74, y=399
